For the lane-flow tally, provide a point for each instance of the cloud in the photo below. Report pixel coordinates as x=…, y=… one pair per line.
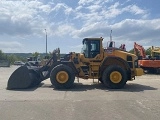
x=89, y=2
x=138, y=29
x=94, y=8
x=64, y=7
x=92, y=30
x=13, y=46
x=17, y=17
x=112, y=11
x=63, y=29
x=136, y=10
x=32, y=17
x=84, y=2
x=126, y=31
x=86, y=18
x=104, y=12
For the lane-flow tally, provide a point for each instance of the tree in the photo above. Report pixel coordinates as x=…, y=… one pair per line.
x=148, y=51
x=1, y=55
x=35, y=54
x=131, y=51
x=12, y=58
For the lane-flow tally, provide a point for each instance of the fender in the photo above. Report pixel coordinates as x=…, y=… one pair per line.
x=112, y=60
x=70, y=64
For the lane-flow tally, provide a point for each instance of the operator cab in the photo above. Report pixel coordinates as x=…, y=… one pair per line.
x=91, y=47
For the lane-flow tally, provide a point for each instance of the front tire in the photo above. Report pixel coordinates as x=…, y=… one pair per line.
x=100, y=79
x=114, y=77
x=62, y=77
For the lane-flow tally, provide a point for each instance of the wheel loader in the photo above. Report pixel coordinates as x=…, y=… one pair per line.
x=112, y=66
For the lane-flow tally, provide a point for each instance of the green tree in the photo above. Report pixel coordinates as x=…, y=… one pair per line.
x=35, y=54
x=12, y=58
x=148, y=51
x=1, y=55
x=131, y=51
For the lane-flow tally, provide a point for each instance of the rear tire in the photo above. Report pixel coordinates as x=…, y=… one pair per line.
x=114, y=77
x=62, y=77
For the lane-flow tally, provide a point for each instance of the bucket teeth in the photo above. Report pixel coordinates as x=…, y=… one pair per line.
x=23, y=78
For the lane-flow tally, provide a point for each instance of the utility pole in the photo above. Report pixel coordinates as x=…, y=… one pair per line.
x=46, y=41
x=111, y=36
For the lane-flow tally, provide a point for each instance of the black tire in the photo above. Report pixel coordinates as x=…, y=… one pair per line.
x=100, y=79
x=65, y=83
x=114, y=77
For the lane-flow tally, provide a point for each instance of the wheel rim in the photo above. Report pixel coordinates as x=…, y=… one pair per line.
x=115, y=77
x=62, y=77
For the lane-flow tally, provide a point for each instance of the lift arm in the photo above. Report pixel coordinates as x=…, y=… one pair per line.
x=140, y=49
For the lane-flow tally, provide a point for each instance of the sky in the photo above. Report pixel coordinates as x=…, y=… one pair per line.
x=68, y=22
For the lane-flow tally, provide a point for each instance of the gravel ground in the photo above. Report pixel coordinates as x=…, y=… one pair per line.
x=138, y=100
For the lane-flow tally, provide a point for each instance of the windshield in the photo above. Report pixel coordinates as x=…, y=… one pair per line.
x=90, y=48
x=85, y=49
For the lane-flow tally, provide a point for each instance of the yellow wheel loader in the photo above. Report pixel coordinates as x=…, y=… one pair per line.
x=111, y=66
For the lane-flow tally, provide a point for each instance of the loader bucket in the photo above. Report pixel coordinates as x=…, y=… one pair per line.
x=23, y=78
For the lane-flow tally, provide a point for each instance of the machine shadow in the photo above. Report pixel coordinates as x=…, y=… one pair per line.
x=78, y=87
x=131, y=87
x=28, y=89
